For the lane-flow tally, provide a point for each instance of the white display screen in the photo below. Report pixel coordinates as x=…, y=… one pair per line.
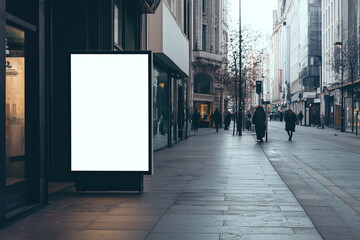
x=110, y=112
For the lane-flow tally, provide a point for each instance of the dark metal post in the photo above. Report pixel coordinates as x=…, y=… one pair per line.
x=340, y=44
x=342, y=97
x=267, y=121
x=2, y=114
x=357, y=121
x=240, y=80
x=235, y=115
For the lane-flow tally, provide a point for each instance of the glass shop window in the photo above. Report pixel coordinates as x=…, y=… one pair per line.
x=119, y=24
x=15, y=104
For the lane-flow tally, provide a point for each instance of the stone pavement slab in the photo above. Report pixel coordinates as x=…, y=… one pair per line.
x=321, y=168
x=210, y=186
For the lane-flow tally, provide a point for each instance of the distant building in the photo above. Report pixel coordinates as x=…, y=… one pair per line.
x=340, y=21
x=209, y=36
x=276, y=90
x=297, y=52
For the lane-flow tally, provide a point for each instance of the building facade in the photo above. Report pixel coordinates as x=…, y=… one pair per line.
x=209, y=34
x=168, y=36
x=36, y=38
x=297, y=57
x=276, y=91
x=340, y=94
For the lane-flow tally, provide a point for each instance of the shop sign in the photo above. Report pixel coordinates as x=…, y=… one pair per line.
x=203, y=97
x=309, y=94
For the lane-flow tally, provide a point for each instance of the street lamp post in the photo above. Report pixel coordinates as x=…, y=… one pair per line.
x=240, y=80
x=340, y=44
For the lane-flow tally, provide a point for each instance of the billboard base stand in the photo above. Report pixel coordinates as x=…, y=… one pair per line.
x=108, y=181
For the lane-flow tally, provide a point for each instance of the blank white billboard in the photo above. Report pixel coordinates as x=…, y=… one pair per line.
x=110, y=111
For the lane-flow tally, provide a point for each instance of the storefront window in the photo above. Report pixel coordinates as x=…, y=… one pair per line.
x=118, y=24
x=160, y=109
x=15, y=104
x=202, y=83
x=204, y=109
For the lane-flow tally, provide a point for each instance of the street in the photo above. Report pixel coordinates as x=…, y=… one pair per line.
x=219, y=186
x=321, y=167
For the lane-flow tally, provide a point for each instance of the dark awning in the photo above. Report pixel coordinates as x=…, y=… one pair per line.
x=149, y=6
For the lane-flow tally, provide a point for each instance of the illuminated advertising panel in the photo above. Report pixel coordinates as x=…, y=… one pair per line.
x=111, y=111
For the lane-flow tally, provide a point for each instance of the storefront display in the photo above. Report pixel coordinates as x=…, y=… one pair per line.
x=15, y=104
x=160, y=108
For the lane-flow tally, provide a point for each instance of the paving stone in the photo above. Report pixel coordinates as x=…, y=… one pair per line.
x=181, y=236
x=210, y=186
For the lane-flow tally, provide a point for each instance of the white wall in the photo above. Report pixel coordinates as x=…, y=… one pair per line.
x=166, y=37
x=175, y=44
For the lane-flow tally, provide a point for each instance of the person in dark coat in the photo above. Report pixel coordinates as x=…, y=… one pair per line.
x=300, y=117
x=281, y=116
x=290, y=120
x=217, y=119
x=259, y=121
x=227, y=120
x=195, y=120
x=248, y=121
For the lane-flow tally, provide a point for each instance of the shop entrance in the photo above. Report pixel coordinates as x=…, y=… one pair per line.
x=20, y=113
x=314, y=109
x=181, y=114
x=205, y=110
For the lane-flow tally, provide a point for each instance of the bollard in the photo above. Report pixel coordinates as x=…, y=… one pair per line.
x=357, y=121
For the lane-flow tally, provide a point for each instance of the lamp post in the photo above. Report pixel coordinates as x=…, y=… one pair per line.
x=340, y=44
x=240, y=72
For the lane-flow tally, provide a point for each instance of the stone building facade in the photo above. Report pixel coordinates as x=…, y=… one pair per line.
x=209, y=36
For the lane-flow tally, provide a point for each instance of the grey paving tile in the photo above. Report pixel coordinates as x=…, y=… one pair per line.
x=138, y=211
x=182, y=236
x=141, y=225
x=197, y=207
x=127, y=218
x=223, y=229
x=254, y=208
x=269, y=237
x=294, y=208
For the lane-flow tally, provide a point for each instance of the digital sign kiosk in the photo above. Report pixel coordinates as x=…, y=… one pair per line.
x=111, y=119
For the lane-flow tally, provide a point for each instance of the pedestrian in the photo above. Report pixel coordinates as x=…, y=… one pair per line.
x=195, y=120
x=281, y=116
x=217, y=119
x=300, y=117
x=290, y=120
x=227, y=120
x=259, y=121
x=248, y=121
x=322, y=121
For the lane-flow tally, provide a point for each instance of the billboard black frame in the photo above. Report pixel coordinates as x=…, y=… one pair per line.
x=105, y=179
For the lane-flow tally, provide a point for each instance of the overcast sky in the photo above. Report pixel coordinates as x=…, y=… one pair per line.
x=257, y=13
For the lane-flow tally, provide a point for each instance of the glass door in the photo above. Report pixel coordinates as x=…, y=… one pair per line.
x=15, y=105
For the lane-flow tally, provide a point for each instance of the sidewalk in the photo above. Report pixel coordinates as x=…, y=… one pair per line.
x=210, y=186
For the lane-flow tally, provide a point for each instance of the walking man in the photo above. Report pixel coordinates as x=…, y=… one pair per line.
x=259, y=121
x=300, y=117
x=290, y=120
x=217, y=119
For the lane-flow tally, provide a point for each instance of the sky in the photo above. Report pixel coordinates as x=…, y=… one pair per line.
x=257, y=13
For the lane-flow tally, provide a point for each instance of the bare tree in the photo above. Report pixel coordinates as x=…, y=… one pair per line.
x=228, y=72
